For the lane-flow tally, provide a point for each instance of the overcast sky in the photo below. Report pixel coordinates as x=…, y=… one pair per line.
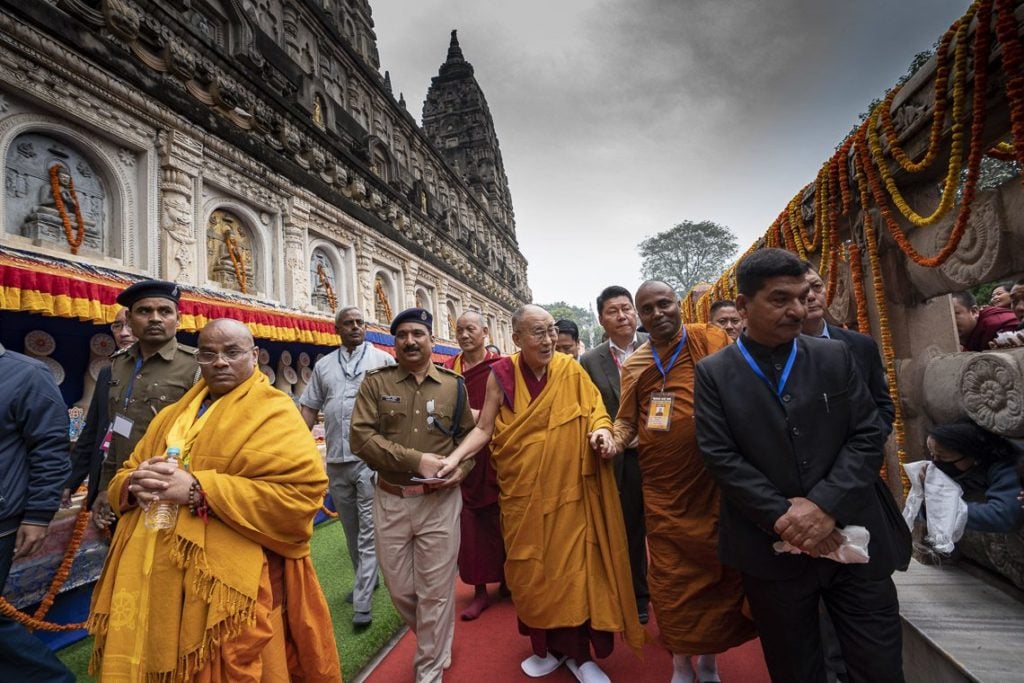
x=619, y=119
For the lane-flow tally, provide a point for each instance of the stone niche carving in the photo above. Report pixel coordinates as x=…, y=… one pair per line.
x=323, y=282
x=231, y=261
x=49, y=184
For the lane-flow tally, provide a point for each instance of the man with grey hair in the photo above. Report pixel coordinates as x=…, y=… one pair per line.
x=332, y=389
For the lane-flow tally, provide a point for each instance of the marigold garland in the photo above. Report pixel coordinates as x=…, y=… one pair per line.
x=859, y=295
x=884, y=331
x=35, y=621
x=939, y=98
x=981, y=51
x=1008, y=34
x=382, y=299
x=332, y=300
x=237, y=262
x=330, y=513
x=956, y=154
x=58, y=201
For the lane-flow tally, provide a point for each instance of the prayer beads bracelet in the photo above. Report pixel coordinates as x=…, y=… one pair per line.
x=197, y=501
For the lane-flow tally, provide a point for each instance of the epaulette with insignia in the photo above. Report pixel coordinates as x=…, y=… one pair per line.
x=447, y=371
x=191, y=350
x=380, y=369
x=120, y=352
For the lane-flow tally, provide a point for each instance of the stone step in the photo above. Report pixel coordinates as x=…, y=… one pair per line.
x=958, y=627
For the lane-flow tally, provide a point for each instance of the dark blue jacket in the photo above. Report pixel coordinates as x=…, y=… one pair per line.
x=34, y=461
x=87, y=458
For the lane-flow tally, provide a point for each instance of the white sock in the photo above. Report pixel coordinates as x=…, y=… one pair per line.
x=682, y=670
x=707, y=668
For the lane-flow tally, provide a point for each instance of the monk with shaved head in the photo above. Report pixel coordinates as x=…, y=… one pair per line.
x=567, y=566
x=229, y=592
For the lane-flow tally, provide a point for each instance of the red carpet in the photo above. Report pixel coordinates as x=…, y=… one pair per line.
x=489, y=650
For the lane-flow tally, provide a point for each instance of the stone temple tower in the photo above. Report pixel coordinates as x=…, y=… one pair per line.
x=458, y=122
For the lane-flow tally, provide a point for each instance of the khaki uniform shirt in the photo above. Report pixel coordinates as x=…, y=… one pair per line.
x=391, y=425
x=161, y=380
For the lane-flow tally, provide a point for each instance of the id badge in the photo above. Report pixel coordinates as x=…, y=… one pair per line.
x=122, y=426
x=659, y=414
x=107, y=438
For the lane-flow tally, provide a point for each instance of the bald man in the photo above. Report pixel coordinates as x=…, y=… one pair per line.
x=568, y=563
x=234, y=575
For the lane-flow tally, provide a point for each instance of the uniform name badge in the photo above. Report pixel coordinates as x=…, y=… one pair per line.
x=122, y=426
x=659, y=415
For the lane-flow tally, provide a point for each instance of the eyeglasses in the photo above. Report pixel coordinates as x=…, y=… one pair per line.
x=231, y=355
x=542, y=333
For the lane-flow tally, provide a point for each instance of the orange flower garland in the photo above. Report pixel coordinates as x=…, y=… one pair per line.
x=859, y=296
x=958, y=30
x=382, y=299
x=58, y=201
x=59, y=578
x=1007, y=33
x=332, y=300
x=237, y=258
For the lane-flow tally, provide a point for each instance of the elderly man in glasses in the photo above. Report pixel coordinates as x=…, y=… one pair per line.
x=568, y=563
x=229, y=592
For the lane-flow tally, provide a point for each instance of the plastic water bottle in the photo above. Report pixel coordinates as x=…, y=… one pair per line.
x=164, y=514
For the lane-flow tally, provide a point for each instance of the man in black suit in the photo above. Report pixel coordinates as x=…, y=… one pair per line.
x=617, y=316
x=864, y=348
x=89, y=451
x=797, y=455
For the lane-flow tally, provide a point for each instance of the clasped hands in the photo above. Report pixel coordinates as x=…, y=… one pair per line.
x=157, y=480
x=809, y=528
x=602, y=443
x=434, y=465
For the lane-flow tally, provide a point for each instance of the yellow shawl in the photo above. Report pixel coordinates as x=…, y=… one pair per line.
x=264, y=483
x=560, y=512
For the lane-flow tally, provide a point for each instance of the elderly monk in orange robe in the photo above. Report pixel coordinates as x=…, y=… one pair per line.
x=568, y=565
x=229, y=592
x=697, y=600
x=481, y=549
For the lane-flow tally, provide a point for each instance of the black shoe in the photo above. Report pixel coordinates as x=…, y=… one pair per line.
x=362, y=619
x=642, y=613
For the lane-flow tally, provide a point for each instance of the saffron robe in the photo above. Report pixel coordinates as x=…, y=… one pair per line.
x=481, y=550
x=236, y=598
x=567, y=562
x=698, y=600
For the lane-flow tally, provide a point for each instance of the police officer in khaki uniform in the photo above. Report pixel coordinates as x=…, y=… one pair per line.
x=406, y=418
x=145, y=378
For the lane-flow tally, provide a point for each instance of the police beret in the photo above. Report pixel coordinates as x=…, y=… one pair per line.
x=414, y=315
x=147, y=289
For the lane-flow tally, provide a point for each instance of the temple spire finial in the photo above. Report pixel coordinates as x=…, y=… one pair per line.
x=454, y=51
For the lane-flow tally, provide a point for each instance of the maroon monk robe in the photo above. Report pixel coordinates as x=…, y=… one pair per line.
x=482, y=551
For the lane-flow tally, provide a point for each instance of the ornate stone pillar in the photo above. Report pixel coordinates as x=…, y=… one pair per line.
x=412, y=269
x=296, y=262
x=364, y=278
x=180, y=160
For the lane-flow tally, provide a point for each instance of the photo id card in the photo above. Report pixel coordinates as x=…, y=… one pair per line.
x=122, y=426
x=659, y=413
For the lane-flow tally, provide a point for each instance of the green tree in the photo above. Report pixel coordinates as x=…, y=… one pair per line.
x=590, y=331
x=687, y=254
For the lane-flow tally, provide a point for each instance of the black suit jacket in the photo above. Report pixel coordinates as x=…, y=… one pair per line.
x=87, y=457
x=820, y=440
x=865, y=352
x=601, y=367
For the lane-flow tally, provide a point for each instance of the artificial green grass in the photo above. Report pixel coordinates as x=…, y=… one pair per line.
x=334, y=569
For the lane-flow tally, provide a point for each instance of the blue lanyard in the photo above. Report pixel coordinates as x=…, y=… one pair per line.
x=131, y=382
x=760, y=373
x=672, y=361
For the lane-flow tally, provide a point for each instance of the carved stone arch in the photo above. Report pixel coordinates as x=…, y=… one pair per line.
x=452, y=315
x=252, y=247
x=423, y=297
x=382, y=161
x=385, y=295
x=333, y=253
x=121, y=235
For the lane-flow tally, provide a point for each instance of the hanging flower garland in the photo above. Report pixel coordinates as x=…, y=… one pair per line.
x=859, y=296
x=981, y=51
x=797, y=226
x=237, y=262
x=939, y=98
x=58, y=201
x=35, y=621
x=325, y=282
x=956, y=154
x=382, y=300
x=1007, y=33
x=888, y=353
